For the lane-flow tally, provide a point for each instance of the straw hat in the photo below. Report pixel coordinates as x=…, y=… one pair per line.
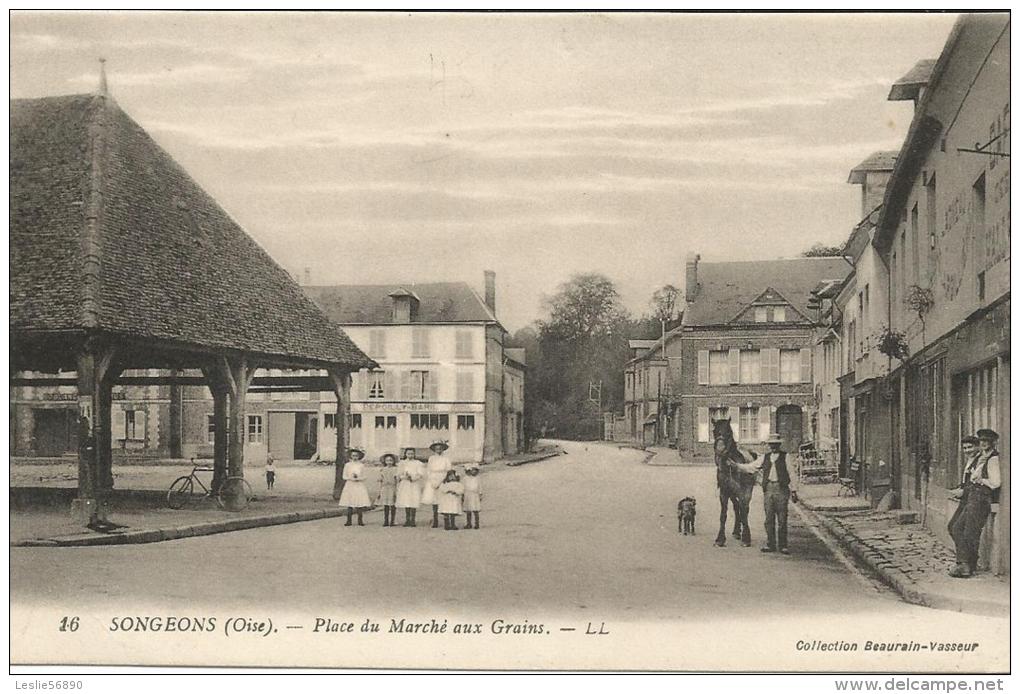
x=438, y=443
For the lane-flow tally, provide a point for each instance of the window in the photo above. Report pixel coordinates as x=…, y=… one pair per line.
x=254, y=428
x=750, y=366
x=718, y=368
x=355, y=421
x=420, y=342
x=915, y=246
x=930, y=210
x=779, y=314
x=377, y=343
x=978, y=229
x=421, y=385
x=465, y=344
x=376, y=385
x=386, y=422
x=748, y=423
x=465, y=422
x=210, y=429
x=430, y=421
x=129, y=424
x=760, y=314
x=789, y=366
x=979, y=409
x=465, y=386
x=329, y=421
x=733, y=365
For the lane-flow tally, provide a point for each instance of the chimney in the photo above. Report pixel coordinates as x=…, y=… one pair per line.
x=103, y=89
x=691, y=286
x=490, y=290
x=308, y=276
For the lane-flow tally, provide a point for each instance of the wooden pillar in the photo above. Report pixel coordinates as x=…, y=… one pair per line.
x=342, y=389
x=217, y=382
x=93, y=369
x=177, y=417
x=238, y=377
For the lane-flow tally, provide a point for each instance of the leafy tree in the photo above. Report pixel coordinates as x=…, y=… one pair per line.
x=822, y=251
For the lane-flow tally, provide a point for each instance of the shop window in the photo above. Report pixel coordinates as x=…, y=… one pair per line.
x=430, y=421
x=355, y=421
x=329, y=420
x=386, y=422
x=465, y=422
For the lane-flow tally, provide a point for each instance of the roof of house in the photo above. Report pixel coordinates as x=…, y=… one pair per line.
x=371, y=304
x=641, y=344
x=909, y=86
x=725, y=290
x=517, y=354
x=876, y=161
x=109, y=233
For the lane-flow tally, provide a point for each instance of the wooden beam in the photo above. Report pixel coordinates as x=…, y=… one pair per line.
x=298, y=384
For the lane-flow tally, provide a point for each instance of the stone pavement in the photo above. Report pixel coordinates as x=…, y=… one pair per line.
x=910, y=559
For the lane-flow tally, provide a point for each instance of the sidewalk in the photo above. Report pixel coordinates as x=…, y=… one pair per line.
x=665, y=456
x=904, y=555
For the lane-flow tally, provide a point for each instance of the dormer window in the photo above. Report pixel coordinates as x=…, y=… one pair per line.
x=761, y=314
x=779, y=314
x=405, y=306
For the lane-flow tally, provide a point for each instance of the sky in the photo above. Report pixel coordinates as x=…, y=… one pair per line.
x=416, y=147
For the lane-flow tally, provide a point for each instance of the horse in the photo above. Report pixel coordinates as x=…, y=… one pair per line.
x=735, y=485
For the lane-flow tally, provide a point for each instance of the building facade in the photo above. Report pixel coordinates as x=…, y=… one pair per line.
x=944, y=234
x=651, y=381
x=746, y=350
x=443, y=370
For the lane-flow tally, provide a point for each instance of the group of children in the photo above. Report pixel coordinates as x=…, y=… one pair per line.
x=409, y=483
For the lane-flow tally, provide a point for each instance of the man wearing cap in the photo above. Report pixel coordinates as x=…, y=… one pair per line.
x=777, y=487
x=980, y=489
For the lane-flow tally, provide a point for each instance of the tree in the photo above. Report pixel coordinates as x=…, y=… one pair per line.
x=583, y=340
x=822, y=251
x=665, y=303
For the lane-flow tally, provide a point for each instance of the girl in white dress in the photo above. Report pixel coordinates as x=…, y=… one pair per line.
x=450, y=493
x=355, y=493
x=388, y=489
x=472, y=495
x=439, y=464
x=410, y=472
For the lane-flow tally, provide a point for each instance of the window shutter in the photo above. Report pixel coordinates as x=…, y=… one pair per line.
x=405, y=385
x=735, y=425
x=703, y=367
x=118, y=423
x=805, y=365
x=141, y=420
x=703, y=424
x=764, y=422
x=432, y=388
x=389, y=386
x=734, y=363
x=425, y=352
x=770, y=366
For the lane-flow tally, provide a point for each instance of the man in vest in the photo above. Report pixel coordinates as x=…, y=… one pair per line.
x=776, y=489
x=981, y=482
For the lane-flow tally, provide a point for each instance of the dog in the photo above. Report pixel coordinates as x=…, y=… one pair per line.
x=686, y=512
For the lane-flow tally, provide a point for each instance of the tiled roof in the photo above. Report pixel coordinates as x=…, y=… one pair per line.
x=876, y=161
x=371, y=304
x=909, y=86
x=726, y=289
x=172, y=264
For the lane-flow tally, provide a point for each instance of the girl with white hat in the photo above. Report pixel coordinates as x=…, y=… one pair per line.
x=472, y=495
x=439, y=464
x=410, y=472
x=450, y=493
x=355, y=493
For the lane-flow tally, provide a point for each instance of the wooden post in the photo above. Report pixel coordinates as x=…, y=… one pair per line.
x=342, y=388
x=216, y=380
x=239, y=374
x=93, y=369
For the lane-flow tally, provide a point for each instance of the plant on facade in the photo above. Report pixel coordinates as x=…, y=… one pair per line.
x=893, y=344
x=920, y=301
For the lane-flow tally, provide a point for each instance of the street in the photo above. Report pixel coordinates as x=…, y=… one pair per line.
x=590, y=536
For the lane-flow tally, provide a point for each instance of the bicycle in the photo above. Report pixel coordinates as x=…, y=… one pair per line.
x=233, y=495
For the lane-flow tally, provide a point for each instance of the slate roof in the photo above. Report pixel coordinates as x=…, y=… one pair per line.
x=517, y=354
x=370, y=304
x=172, y=265
x=876, y=161
x=725, y=290
x=909, y=86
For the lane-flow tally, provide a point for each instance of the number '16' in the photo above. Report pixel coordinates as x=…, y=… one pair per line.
x=69, y=624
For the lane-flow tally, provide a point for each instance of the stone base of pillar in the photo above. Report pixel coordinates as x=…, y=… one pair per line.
x=84, y=510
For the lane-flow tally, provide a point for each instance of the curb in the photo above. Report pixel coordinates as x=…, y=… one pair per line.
x=136, y=537
x=544, y=456
x=805, y=503
x=906, y=589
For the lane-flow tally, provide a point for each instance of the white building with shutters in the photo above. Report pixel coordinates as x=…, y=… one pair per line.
x=441, y=369
x=746, y=350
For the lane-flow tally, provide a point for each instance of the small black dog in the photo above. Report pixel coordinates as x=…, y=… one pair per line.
x=686, y=512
